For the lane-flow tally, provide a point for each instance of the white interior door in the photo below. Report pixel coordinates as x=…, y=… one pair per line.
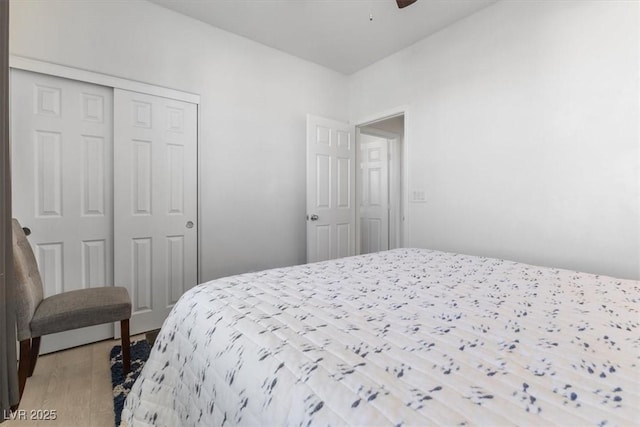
x=62, y=186
x=374, y=194
x=155, y=208
x=330, y=189
x=395, y=193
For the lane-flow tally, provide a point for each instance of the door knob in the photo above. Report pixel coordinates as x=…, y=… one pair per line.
x=189, y=224
x=314, y=217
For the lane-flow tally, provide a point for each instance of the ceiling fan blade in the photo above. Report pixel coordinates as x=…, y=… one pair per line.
x=405, y=3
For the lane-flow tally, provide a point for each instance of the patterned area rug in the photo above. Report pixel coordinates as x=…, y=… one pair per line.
x=121, y=385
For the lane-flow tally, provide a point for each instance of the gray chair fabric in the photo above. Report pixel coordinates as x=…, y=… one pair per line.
x=28, y=283
x=81, y=308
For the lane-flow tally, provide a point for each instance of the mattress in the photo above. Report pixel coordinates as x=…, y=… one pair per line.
x=404, y=337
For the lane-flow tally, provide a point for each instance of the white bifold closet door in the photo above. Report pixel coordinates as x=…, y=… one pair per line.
x=106, y=180
x=155, y=207
x=62, y=177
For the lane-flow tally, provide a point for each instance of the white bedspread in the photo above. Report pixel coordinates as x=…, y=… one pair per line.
x=405, y=337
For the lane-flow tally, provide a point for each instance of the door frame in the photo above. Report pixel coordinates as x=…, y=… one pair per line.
x=394, y=140
x=86, y=76
x=402, y=110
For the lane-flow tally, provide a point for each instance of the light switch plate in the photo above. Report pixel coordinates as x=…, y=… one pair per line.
x=418, y=196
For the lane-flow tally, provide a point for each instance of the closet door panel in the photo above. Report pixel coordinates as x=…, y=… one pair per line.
x=155, y=190
x=62, y=149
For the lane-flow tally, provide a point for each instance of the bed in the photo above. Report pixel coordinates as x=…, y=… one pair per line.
x=403, y=337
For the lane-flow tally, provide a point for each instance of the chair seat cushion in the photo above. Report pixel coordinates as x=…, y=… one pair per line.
x=80, y=308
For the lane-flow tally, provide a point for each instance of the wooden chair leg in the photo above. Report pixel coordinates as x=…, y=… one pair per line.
x=35, y=351
x=24, y=366
x=126, y=356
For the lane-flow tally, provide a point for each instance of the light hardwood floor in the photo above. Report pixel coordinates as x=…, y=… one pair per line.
x=76, y=383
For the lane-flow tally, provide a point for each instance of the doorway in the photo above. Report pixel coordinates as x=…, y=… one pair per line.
x=379, y=189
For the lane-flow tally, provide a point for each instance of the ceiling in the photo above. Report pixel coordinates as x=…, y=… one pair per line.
x=343, y=35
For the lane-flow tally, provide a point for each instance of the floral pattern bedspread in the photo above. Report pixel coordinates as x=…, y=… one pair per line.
x=404, y=337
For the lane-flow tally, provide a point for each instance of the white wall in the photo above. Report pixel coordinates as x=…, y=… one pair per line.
x=253, y=109
x=522, y=128
x=523, y=131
